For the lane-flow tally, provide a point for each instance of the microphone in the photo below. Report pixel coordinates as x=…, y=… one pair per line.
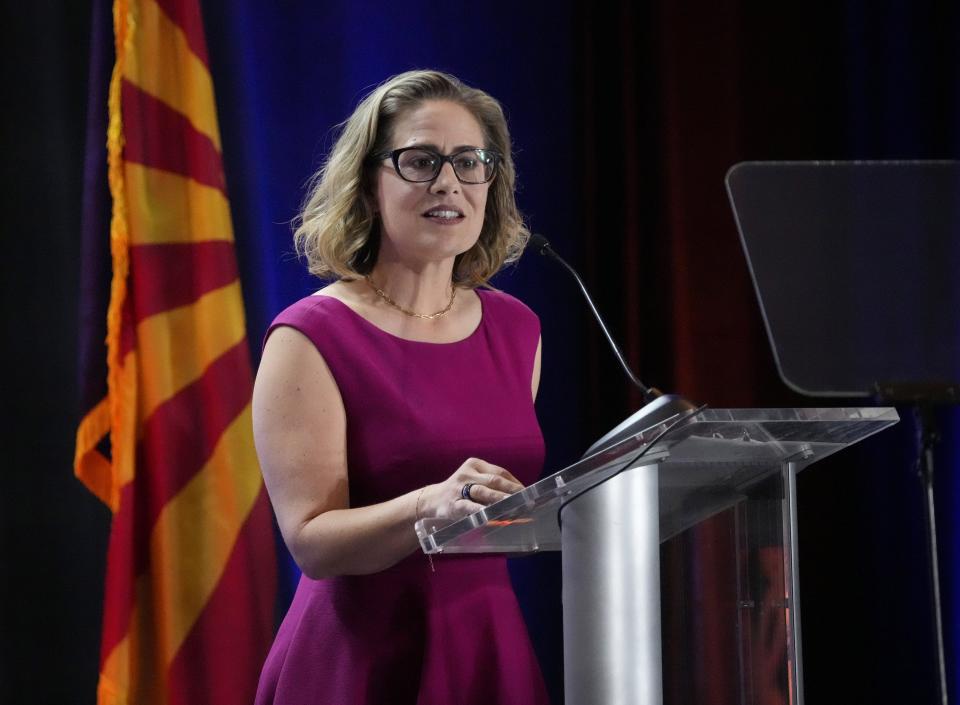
x=657, y=405
x=540, y=244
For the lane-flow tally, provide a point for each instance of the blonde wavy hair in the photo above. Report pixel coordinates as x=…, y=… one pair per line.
x=337, y=230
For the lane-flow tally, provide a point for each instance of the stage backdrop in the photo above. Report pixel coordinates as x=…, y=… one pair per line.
x=625, y=118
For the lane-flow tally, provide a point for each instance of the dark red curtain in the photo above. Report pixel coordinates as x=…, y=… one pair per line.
x=674, y=94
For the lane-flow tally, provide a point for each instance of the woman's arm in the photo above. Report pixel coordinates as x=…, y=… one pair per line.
x=300, y=427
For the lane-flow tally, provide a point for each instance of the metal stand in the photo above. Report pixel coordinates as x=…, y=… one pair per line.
x=925, y=397
x=929, y=435
x=791, y=563
x=611, y=592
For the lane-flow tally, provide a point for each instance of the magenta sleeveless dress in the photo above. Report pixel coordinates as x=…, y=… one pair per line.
x=415, y=411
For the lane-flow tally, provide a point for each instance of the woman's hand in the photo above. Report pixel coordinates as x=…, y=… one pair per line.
x=488, y=484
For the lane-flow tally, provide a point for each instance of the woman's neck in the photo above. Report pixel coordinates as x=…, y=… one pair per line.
x=425, y=290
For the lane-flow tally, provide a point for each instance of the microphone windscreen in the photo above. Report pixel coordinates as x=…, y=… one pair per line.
x=538, y=242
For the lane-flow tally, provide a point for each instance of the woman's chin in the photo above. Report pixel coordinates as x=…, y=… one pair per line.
x=437, y=246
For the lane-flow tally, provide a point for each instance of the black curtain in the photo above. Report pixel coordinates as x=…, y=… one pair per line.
x=52, y=530
x=669, y=95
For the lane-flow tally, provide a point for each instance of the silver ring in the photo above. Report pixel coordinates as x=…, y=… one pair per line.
x=465, y=491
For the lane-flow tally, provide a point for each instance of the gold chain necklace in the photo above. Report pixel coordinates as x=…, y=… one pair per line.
x=427, y=316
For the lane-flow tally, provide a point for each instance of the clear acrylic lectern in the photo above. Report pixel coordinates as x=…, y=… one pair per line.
x=609, y=512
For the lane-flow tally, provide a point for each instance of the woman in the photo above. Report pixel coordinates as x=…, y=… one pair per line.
x=399, y=392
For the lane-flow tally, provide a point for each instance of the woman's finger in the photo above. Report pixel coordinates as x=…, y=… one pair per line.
x=465, y=507
x=486, y=495
x=486, y=468
x=500, y=484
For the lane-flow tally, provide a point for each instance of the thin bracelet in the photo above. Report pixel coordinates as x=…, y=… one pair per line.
x=416, y=512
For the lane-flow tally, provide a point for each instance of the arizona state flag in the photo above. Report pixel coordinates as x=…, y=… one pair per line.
x=190, y=583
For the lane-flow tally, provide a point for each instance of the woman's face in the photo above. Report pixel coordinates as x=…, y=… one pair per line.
x=433, y=220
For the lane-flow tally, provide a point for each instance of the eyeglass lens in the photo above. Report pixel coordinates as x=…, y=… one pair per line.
x=472, y=166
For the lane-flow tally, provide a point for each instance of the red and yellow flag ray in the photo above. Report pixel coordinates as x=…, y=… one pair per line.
x=188, y=606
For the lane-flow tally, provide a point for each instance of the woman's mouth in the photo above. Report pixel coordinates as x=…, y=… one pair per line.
x=444, y=215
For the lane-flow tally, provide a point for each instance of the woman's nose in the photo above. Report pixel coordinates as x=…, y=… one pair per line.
x=446, y=181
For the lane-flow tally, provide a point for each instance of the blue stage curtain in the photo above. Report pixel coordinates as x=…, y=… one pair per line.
x=287, y=74
x=903, y=102
x=624, y=118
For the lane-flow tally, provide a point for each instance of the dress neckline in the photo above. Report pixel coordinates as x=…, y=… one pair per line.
x=373, y=326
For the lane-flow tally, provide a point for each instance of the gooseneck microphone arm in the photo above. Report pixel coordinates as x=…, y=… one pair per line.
x=542, y=246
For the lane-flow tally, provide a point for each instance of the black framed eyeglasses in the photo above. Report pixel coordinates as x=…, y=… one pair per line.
x=419, y=164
